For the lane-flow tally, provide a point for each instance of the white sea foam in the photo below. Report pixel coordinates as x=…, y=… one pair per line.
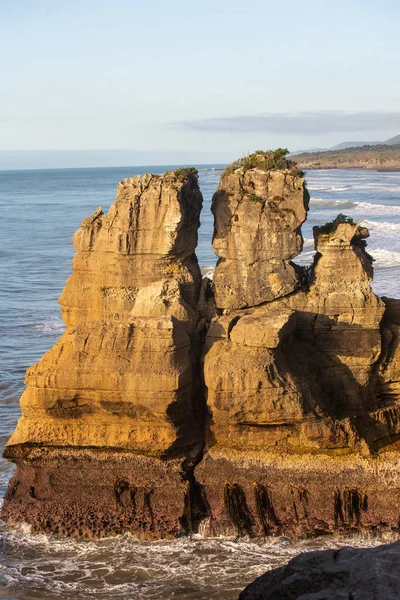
x=378, y=186
x=124, y=568
x=207, y=271
x=367, y=208
x=385, y=228
x=320, y=203
x=385, y=258
x=50, y=327
x=328, y=187
x=308, y=243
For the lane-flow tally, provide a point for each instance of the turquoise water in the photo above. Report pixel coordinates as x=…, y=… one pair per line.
x=40, y=210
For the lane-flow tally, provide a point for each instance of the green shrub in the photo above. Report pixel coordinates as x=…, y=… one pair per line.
x=185, y=172
x=331, y=226
x=270, y=160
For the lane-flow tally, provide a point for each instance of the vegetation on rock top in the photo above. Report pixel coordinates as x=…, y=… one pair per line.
x=269, y=160
x=185, y=172
x=331, y=226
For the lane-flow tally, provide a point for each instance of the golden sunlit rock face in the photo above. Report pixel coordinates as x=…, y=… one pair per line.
x=119, y=393
x=126, y=359
x=266, y=402
x=258, y=215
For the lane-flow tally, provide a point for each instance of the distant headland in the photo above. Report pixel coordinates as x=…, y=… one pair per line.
x=380, y=157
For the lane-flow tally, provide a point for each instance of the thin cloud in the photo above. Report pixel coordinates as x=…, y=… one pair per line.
x=304, y=123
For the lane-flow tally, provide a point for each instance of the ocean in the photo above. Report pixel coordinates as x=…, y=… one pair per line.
x=40, y=210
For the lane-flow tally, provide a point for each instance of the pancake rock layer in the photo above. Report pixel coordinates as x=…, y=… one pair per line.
x=111, y=422
x=264, y=403
x=258, y=215
x=302, y=391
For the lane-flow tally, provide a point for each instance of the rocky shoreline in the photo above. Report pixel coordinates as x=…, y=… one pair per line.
x=263, y=403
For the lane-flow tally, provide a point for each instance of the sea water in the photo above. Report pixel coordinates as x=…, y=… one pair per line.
x=40, y=210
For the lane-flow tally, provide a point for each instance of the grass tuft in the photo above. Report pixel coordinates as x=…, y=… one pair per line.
x=185, y=172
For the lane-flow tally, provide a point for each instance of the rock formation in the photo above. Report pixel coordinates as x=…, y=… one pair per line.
x=301, y=389
x=254, y=265
x=111, y=421
x=266, y=403
x=355, y=573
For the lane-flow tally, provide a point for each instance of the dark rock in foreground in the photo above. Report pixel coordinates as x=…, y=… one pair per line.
x=345, y=574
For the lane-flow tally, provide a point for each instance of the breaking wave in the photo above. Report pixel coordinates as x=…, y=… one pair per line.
x=51, y=327
x=385, y=258
x=367, y=208
x=121, y=567
x=383, y=227
x=207, y=271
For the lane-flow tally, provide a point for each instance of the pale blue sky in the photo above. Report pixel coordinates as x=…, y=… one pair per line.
x=207, y=79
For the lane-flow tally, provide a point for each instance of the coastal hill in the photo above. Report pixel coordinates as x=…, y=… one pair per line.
x=381, y=157
x=394, y=141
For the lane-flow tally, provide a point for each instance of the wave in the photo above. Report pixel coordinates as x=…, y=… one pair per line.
x=339, y=204
x=50, y=327
x=386, y=286
x=364, y=207
x=207, y=271
x=308, y=243
x=122, y=567
x=382, y=227
x=328, y=187
x=5, y=477
x=385, y=258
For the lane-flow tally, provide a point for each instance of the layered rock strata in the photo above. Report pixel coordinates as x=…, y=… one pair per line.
x=255, y=262
x=111, y=422
x=302, y=392
x=264, y=403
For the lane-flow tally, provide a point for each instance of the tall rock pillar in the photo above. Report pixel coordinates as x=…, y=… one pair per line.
x=301, y=387
x=111, y=424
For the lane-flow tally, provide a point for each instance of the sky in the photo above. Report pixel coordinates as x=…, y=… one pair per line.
x=158, y=82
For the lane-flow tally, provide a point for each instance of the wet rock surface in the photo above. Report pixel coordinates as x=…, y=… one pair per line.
x=348, y=573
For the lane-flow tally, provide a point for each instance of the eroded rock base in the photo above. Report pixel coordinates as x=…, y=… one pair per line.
x=88, y=493
x=298, y=496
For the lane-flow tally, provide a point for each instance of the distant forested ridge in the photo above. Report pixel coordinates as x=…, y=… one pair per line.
x=380, y=156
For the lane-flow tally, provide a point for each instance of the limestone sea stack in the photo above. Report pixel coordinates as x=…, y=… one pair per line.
x=111, y=422
x=258, y=214
x=264, y=403
x=301, y=384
